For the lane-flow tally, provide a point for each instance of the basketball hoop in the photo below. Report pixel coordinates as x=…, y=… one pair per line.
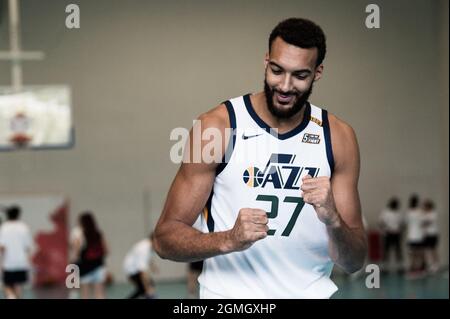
x=19, y=125
x=20, y=140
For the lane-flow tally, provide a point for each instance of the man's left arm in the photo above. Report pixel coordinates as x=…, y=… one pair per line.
x=2, y=251
x=336, y=200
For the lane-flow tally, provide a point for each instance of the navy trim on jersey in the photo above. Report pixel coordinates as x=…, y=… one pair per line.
x=230, y=147
x=327, y=135
x=265, y=126
x=210, y=219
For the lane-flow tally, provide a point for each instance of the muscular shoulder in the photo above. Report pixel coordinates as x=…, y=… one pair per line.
x=216, y=117
x=340, y=129
x=208, y=138
x=344, y=142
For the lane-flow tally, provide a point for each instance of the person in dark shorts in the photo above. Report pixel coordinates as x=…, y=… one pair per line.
x=415, y=238
x=16, y=246
x=392, y=224
x=431, y=230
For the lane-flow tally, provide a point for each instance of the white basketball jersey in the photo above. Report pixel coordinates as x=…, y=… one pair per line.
x=264, y=170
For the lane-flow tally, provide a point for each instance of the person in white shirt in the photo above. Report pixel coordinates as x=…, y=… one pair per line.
x=391, y=224
x=16, y=244
x=431, y=235
x=137, y=266
x=415, y=236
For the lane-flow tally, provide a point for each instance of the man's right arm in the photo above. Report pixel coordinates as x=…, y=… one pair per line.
x=175, y=238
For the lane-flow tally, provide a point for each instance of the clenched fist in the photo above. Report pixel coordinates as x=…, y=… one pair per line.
x=250, y=226
x=317, y=192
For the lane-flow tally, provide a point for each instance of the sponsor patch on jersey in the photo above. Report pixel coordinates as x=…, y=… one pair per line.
x=316, y=120
x=311, y=138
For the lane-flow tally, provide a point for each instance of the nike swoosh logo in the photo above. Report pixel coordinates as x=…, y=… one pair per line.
x=246, y=137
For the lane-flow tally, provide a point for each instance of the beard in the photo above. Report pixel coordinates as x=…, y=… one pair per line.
x=300, y=100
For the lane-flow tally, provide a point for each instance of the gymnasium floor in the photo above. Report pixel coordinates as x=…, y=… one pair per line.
x=392, y=286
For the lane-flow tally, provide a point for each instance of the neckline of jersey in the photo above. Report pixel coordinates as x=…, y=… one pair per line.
x=261, y=123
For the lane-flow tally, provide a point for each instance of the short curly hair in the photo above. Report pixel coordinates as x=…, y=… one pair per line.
x=302, y=33
x=13, y=212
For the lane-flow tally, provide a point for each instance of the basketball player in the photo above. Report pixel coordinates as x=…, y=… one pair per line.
x=282, y=206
